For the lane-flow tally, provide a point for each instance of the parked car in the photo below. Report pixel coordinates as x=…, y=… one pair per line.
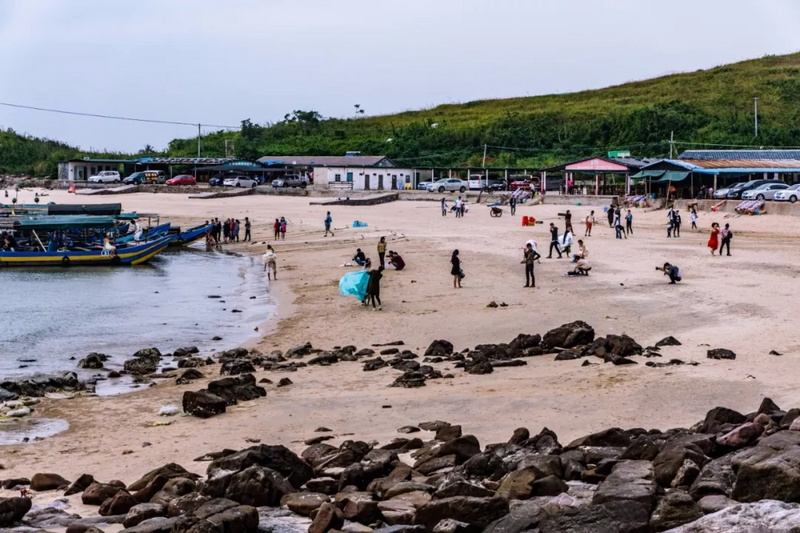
x=106, y=176
x=722, y=193
x=183, y=179
x=240, y=181
x=146, y=176
x=788, y=195
x=497, y=185
x=290, y=181
x=424, y=185
x=449, y=184
x=216, y=181
x=764, y=192
x=738, y=192
x=520, y=184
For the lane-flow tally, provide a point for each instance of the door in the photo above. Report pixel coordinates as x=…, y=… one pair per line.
x=394, y=182
x=367, y=179
x=350, y=177
x=380, y=181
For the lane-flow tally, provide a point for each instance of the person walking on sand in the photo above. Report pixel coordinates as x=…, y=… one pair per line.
x=726, y=235
x=554, y=241
x=382, y=251
x=629, y=223
x=567, y=221
x=282, y=228
x=589, y=223
x=693, y=218
x=529, y=258
x=713, y=241
x=374, y=288
x=512, y=204
x=444, y=207
x=456, y=270
x=328, y=222
x=270, y=263
x=276, y=228
x=247, y=227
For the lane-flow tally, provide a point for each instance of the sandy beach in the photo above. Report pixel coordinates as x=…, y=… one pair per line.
x=742, y=303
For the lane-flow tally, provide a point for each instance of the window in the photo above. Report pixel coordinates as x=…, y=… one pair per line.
x=337, y=177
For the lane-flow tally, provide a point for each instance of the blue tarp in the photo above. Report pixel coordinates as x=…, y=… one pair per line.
x=355, y=284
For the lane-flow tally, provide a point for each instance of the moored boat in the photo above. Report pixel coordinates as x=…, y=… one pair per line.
x=182, y=238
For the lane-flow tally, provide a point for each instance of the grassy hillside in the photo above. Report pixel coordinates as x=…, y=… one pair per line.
x=712, y=106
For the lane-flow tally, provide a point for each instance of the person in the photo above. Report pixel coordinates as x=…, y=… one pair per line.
x=567, y=221
x=270, y=263
x=583, y=252
x=676, y=226
x=396, y=261
x=217, y=230
x=670, y=221
x=566, y=243
x=374, y=288
x=456, y=270
x=589, y=223
x=610, y=214
x=512, y=204
x=582, y=268
x=276, y=228
x=247, y=227
x=210, y=242
x=529, y=258
x=726, y=235
x=233, y=227
x=444, y=207
x=713, y=241
x=464, y=208
x=328, y=221
x=367, y=265
x=382, y=251
x=359, y=258
x=236, y=225
x=226, y=230
x=458, y=207
x=693, y=218
x=674, y=273
x=9, y=243
x=701, y=193
x=108, y=245
x=629, y=223
x=137, y=231
x=282, y=228
x=554, y=241
x=618, y=224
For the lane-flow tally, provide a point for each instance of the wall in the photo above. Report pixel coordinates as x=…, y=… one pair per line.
x=365, y=178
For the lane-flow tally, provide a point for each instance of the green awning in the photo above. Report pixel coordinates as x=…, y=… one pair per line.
x=64, y=223
x=673, y=176
x=652, y=174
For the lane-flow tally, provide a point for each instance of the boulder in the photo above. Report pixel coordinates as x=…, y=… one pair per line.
x=140, y=366
x=258, y=486
x=625, y=516
x=668, y=341
x=613, y=437
x=42, y=481
x=174, y=488
x=671, y=459
x=188, y=375
x=236, y=367
x=767, y=472
x=397, y=512
x=675, y=509
x=298, y=351
x=93, y=361
x=12, y=510
x=374, y=364
x=520, y=435
x=143, y=511
x=187, y=504
x=203, y=404
x=303, y=503
x=720, y=353
x=361, y=507
x=715, y=478
x=687, y=474
x=169, y=471
x=185, y=351
x=622, y=345
x=517, y=485
x=745, y=434
x=523, y=341
x=767, y=515
x=714, y=502
x=439, y=348
x=155, y=525
x=151, y=489
x=278, y=458
x=239, y=519
x=643, y=448
x=477, y=512
x=718, y=417
x=548, y=486
x=97, y=493
x=448, y=433
x=79, y=485
x=120, y=504
x=328, y=517
x=568, y=336
x=567, y=355
x=629, y=480
x=463, y=488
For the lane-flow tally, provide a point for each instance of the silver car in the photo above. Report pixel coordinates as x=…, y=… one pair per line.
x=723, y=192
x=449, y=185
x=764, y=192
x=788, y=195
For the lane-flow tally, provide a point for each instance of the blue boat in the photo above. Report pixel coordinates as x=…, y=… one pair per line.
x=148, y=234
x=182, y=238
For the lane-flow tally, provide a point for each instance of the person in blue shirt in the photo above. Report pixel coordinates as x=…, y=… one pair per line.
x=328, y=221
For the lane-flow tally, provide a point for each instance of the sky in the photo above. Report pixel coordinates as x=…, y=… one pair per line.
x=221, y=61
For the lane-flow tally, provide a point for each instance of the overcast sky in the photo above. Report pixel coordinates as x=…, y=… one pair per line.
x=221, y=61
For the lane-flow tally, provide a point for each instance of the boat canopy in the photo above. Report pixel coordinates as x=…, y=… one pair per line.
x=127, y=216
x=63, y=222
x=81, y=209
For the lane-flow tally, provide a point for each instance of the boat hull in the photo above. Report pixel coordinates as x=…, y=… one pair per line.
x=190, y=235
x=134, y=255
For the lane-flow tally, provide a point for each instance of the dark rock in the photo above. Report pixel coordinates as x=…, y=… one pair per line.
x=520, y=435
x=410, y=380
x=408, y=429
x=144, y=511
x=145, y=494
x=185, y=351
x=236, y=367
x=328, y=517
x=567, y=355
x=360, y=507
x=448, y=433
x=169, y=471
x=675, y=509
x=523, y=341
x=236, y=388
x=770, y=470
x=643, y=448
x=12, y=510
x=97, y=493
x=13, y=483
x=121, y=503
x=624, y=516
x=144, y=361
x=93, y=361
x=285, y=382
x=39, y=385
x=191, y=362
x=277, y=458
x=203, y=404
x=188, y=375
x=324, y=359
x=187, y=504
x=568, y=336
x=435, y=425
x=668, y=341
x=298, y=351
x=374, y=364
x=544, y=465
x=720, y=353
x=768, y=406
x=618, y=360
x=773, y=352
x=671, y=458
x=517, y=485
x=686, y=475
x=508, y=363
x=304, y=503
x=479, y=366
x=389, y=351
x=718, y=417
x=79, y=485
x=174, y=488
x=439, y=348
x=716, y=478
x=613, y=437
x=429, y=466
x=463, y=488
x=745, y=434
x=42, y=482
x=548, y=486
x=629, y=480
x=239, y=519
x=486, y=465
x=622, y=345
x=478, y=512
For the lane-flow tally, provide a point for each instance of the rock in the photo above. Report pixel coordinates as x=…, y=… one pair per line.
x=718, y=417
x=185, y=351
x=517, y=485
x=284, y=382
x=463, y=488
x=448, y=433
x=613, y=517
x=19, y=413
x=720, y=353
x=39, y=385
x=141, y=366
x=50, y=517
x=548, y=486
x=360, y=506
x=795, y=426
x=686, y=475
x=714, y=502
x=397, y=511
x=299, y=351
x=79, y=485
x=769, y=471
x=668, y=341
x=618, y=360
x=172, y=489
x=477, y=512
x=303, y=503
x=745, y=434
x=642, y=448
x=203, y=404
x=328, y=517
x=374, y=364
x=629, y=480
x=520, y=435
x=168, y=471
x=409, y=380
x=480, y=366
x=408, y=429
x=13, y=483
x=188, y=375
x=93, y=361
x=258, y=486
x=675, y=509
x=278, y=458
x=768, y=406
x=121, y=503
x=143, y=511
x=439, y=348
x=12, y=510
x=567, y=355
x=716, y=478
x=236, y=367
x=568, y=336
x=671, y=459
x=763, y=516
x=614, y=437
x=42, y=482
x=544, y=465
x=774, y=352
x=191, y=362
x=187, y=504
x=242, y=518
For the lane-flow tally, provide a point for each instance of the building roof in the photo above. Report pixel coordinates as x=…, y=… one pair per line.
x=602, y=165
x=748, y=165
x=159, y=160
x=706, y=155
x=328, y=160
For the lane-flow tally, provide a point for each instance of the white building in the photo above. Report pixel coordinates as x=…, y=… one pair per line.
x=367, y=178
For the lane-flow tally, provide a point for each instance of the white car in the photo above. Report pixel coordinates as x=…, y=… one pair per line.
x=764, y=192
x=788, y=195
x=723, y=192
x=450, y=184
x=240, y=181
x=106, y=176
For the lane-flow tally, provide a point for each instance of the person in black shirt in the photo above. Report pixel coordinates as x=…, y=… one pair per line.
x=512, y=203
x=374, y=288
x=247, y=226
x=455, y=271
x=672, y=271
x=530, y=257
x=554, y=241
x=359, y=258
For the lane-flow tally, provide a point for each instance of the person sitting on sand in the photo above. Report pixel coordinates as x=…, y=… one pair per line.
x=583, y=252
x=672, y=271
x=396, y=261
x=359, y=258
x=270, y=263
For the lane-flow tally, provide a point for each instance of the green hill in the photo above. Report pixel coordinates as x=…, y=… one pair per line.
x=713, y=106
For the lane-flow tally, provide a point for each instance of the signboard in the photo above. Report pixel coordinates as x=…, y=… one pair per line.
x=619, y=153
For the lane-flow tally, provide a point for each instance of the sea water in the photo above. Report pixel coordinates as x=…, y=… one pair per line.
x=52, y=317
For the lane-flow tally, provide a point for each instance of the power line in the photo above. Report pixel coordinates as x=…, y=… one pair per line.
x=114, y=117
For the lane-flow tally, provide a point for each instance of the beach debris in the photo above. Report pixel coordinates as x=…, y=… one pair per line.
x=168, y=410
x=322, y=430
x=720, y=353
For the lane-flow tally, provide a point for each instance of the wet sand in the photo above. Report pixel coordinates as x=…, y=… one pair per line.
x=743, y=303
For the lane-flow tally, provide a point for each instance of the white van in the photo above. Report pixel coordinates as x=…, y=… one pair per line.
x=477, y=182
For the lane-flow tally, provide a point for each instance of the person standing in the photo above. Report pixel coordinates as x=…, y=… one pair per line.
x=589, y=223
x=554, y=241
x=458, y=207
x=282, y=228
x=610, y=214
x=271, y=263
x=530, y=257
x=236, y=227
x=676, y=230
x=629, y=223
x=444, y=207
x=247, y=226
x=226, y=230
x=456, y=269
x=568, y=221
x=374, y=288
x=328, y=222
x=713, y=241
x=276, y=229
x=512, y=204
x=726, y=235
x=693, y=218
x=382, y=251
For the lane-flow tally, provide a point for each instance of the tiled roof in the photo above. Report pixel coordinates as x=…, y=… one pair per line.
x=329, y=160
x=744, y=163
x=706, y=155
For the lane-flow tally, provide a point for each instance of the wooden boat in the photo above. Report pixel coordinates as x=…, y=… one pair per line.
x=148, y=234
x=182, y=238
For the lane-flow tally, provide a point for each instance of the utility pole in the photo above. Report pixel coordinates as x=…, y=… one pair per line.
x=755, y=108
x=671, y=143
x=198, y=140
